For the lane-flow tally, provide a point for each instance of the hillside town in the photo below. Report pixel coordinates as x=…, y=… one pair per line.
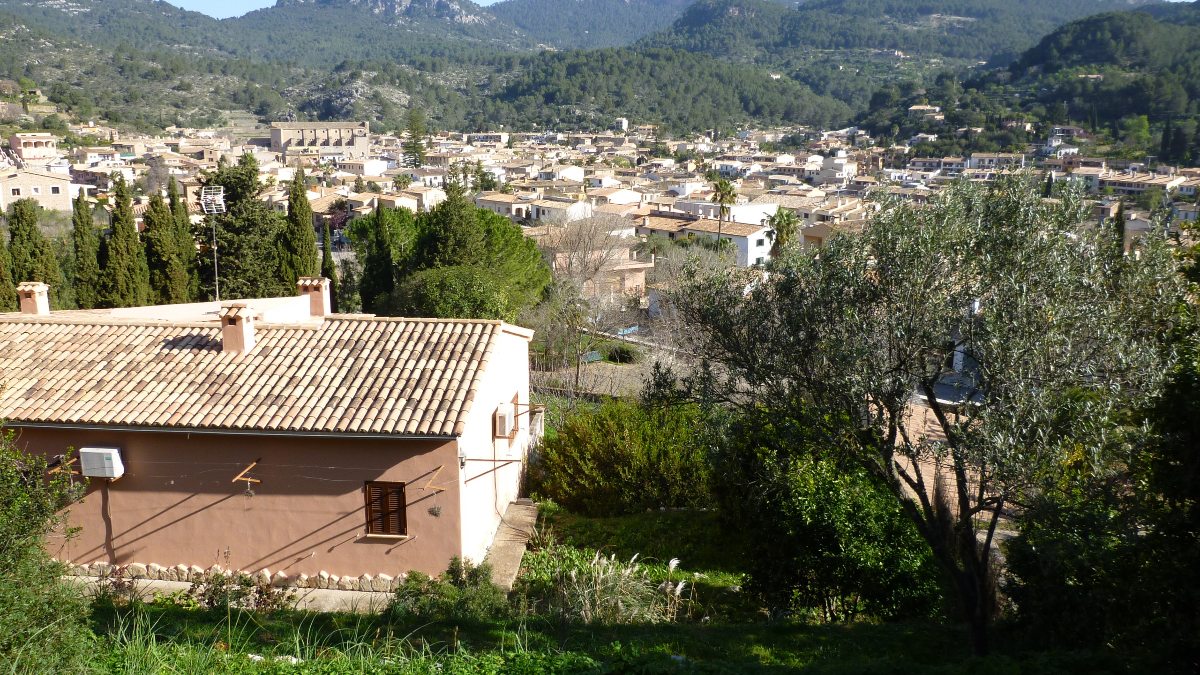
x=642, y=183
x=307, y=390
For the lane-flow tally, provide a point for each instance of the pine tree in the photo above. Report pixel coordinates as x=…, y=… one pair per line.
x=298, y=241
x=124, y=276
x=248, y=236
x=87, y=249
x=328, y=268
x=413, y=147
x=185, y=239
x=168, y=276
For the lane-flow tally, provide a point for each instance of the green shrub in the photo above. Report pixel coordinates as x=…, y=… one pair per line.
x=624, y=458
x=463, y=592
x=44, y=626
x=819, y=537
x=622, y=352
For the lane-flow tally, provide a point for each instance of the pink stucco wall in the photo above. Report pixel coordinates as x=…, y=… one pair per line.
x=176, y=503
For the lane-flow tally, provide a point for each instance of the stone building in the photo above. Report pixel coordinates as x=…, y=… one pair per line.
x=325, y=140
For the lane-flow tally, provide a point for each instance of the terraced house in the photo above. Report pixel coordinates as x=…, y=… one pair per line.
x=271, y=434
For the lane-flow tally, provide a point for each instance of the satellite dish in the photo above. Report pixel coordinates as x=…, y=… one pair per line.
x=212, y=199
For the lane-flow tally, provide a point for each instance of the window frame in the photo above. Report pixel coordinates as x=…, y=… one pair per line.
x=16, y=192
x=371, y=510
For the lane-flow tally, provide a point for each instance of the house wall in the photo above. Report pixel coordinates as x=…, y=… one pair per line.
x=494, y=466
x=176, y=503
x=37, y=186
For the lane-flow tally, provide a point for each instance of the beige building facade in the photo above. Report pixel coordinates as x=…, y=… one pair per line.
x=347, y=140
x=52, y=191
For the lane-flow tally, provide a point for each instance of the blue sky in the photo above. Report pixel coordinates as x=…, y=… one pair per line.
x=227, y=8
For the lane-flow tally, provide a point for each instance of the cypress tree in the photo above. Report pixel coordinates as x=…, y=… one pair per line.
x=379, y=272
x=1164, y=147
x=185, y=239
x=8, y=289
x=328, y=268
x=124, y=276
x=87, y=250
x=33, y=257
x=24, y=240
x=298, y=241
x=167, y=275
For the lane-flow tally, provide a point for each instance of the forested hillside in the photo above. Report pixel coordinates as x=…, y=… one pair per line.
x=583, y=24
x=973, y=29
x=721, y=63
x=1108, y=67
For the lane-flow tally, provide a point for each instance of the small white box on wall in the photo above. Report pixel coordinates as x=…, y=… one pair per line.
x=101, y=462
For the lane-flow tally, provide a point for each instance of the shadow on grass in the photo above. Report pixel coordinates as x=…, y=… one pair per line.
x=705, y=648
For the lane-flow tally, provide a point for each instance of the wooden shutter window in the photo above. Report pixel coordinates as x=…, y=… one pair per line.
x=386, y=509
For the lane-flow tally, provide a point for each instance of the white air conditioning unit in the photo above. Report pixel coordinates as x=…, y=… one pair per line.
x=505, y=420
x=101, y=462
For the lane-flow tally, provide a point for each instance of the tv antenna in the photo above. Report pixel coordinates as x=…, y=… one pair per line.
x=212, y=202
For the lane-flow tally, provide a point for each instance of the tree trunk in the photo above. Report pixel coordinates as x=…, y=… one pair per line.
x=973, y=592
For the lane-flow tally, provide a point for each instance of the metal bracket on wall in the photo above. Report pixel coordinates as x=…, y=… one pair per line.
x=429, y=483
x=243, y=476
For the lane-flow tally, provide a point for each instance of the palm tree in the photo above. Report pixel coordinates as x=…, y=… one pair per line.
x=724, y=194
x=783, y=229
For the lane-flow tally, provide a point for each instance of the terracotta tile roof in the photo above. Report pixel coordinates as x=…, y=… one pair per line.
x=403, y=377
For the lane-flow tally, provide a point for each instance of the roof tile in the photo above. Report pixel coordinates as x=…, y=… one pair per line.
x=350, y=375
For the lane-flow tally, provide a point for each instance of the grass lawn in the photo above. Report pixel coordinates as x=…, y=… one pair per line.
x=732, y=636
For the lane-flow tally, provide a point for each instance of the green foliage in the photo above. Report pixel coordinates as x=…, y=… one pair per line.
x=8, y=288
x=1104, y=552
x=382, y=241
x=456, y=261
x=624, y=458
x=590, y=23
x=622, y=352
x=328, y=268
x=32, y=255
x=44, y=628
x=169, y=281
x=413, y=148
x=185, y=239
x=124, y=273
x=86, y=247
x=678, y=90
x=465, y=592
x=973, y=29
x=1146, y=60
x=838, y=340
x=247, y=236
x=298, y=240
x=455, y=292
x=818, y=537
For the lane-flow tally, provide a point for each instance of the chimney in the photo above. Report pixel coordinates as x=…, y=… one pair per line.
x=35, y=298
x=645, y=221
x=237, y=328
x=317, y=290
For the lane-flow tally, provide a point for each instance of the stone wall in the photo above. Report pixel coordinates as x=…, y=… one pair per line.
x=380, y=583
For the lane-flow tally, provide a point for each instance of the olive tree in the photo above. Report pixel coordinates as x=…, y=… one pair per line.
x=1058, y=331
